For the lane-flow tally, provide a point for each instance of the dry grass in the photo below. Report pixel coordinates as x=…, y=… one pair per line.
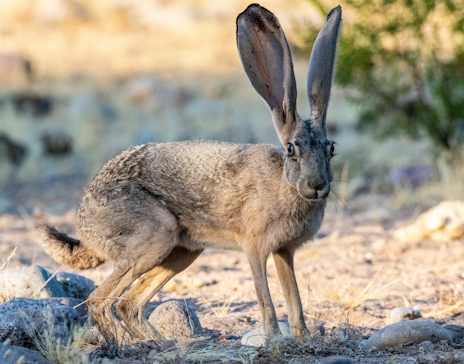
x=211, y=353
x=51, y=347
x=450, y=302
x=350, y=294
x=6, y=295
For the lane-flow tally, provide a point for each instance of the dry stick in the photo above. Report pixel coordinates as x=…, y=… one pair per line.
x=100, y=298
x=46, y=282
x=9, y=257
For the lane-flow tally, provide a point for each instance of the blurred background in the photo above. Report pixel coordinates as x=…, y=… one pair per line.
x=82, y=80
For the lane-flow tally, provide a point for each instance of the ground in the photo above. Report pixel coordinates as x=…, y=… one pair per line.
x=350, y=277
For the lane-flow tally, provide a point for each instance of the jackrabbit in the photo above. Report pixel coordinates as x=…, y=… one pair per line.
x=154, y=208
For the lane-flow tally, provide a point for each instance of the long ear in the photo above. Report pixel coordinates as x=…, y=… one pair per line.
x=321, y=67
x=266, y=58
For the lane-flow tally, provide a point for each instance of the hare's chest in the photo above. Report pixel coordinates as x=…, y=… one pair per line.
x=296, y=229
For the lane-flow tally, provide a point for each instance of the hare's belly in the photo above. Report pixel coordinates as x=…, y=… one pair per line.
x=202, y=238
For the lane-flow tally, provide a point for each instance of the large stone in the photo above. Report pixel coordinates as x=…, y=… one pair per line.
x=406, y=333
x=22, y=317
x=174, y=319
x=399, y=314
x=15, y=355
x=456, y=331
x=32, y=282
x=75, y=303
x=75, y=285
x=444, y=222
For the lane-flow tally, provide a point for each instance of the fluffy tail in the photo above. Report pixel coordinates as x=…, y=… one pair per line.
x=67, y=250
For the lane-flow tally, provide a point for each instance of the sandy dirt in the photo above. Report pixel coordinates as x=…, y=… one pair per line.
x=350, y=277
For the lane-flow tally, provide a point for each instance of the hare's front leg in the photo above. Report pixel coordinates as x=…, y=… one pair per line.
x=283, y=259
x=257, y=261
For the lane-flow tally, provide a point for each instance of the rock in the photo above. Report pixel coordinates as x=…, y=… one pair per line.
x=399, y=314
x=173, y=319
x=26, y=282
x=188, y=344
x=37, y=282
x=30, y=281
x=336, y=360
x=456, y=331
x=14, y=69
x=31, y=103
x=168, y=345
x=406, y=333
x=426, y=345
x=14, y=151
x=256, y=337
x=12, y=354
x=75, y=285
x=444, y=222
x=73, y=302
x=20, y=317
x=192, y=344
x=413, y=176
x=313, y=329
x=56, y=142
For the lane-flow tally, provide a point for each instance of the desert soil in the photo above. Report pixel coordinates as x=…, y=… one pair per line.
x=350, y=276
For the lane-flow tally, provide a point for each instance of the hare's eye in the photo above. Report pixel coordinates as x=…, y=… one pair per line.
x=332, y=149
x=290, y=149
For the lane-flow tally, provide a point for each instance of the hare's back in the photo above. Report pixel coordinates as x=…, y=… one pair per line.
x=194, y=174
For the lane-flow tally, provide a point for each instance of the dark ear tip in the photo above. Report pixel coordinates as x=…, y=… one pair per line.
x=254, y=12
x=337, y=11
x=252, y=8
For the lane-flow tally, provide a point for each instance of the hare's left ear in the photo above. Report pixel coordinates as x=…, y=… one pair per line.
x=266, y=59
x=321, y=67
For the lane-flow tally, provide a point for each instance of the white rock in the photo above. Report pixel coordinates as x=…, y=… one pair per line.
x=256, y=337
x=399, y=314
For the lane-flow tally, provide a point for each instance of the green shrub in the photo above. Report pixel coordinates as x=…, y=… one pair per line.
x=403, y=60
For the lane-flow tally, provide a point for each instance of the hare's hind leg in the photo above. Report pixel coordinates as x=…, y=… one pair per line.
x=101, y=301
x=152, y=236
x=131, y=305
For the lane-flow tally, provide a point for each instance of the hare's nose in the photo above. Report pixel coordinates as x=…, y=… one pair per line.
x=317, y=184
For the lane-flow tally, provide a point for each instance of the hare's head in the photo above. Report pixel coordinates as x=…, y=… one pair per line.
x=267, y=61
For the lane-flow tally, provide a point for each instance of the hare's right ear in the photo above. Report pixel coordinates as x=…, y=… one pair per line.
x=266, y=58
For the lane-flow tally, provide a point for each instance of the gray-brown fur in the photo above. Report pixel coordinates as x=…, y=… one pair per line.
x=67, y=250
x=155, y=207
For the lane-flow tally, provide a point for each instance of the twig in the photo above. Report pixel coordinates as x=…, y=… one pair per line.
x=9, y=257
x=100, y=298
x=46, y=282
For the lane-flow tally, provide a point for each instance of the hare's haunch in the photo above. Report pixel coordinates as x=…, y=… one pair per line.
x=155, y=207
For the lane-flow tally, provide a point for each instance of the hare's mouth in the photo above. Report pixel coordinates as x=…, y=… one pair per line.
x=311, y=194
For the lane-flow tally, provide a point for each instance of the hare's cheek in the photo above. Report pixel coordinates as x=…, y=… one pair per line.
x=292, y=172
